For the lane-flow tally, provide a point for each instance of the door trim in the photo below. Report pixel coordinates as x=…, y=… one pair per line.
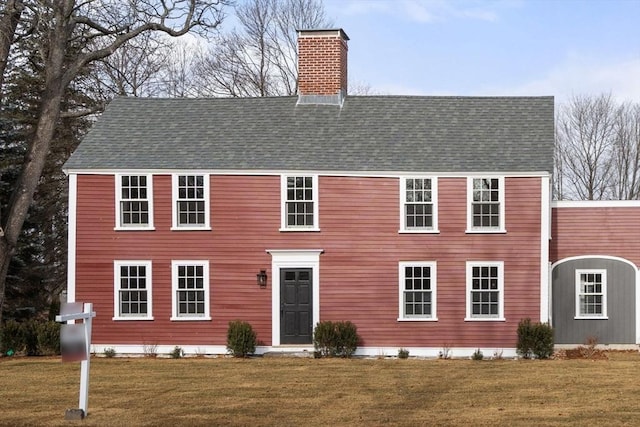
x=293, y=258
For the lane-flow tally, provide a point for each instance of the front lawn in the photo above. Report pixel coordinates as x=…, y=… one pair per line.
x=294, y=391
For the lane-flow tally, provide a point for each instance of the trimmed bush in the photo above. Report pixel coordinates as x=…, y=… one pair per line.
x=477, y=355
x=241, y=339
x=543, y=340
x=176, y=353
x=110, y=352
x=403, y=353
x=335, y=339
x=534, y=339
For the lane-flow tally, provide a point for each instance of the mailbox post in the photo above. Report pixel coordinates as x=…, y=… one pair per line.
x=75, y=341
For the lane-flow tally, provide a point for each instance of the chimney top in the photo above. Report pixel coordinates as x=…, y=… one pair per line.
x=322, y=66
x=323, y=32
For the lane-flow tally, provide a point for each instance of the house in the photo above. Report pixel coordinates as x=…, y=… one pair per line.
x=425, y=221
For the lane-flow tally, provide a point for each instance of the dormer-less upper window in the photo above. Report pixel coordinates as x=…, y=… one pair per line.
x=485, y=205
x=191, y=202
x=299, y=196
x=418, y=204
x=134, y=202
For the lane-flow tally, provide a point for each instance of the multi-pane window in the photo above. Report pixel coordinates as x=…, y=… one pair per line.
x=134, y=201
x=191, y=201
x=419, y=211
x=417, y=290
x=591, y=288
x=485, y=299
x=132, y=290
x=190, y=290
x=486, y=204
x=300, y=208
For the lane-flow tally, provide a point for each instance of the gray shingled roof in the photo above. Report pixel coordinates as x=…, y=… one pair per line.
x=372, y=133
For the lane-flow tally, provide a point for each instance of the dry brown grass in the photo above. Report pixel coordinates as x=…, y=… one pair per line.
x=291, y=392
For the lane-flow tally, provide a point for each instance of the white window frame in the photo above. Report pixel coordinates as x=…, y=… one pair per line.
x=174, y=290
x=402, y=316
x=603, y=274
x=283, y=203
x=118, y=183
x=116, y=288
x=501, y=195
x=174, y=202
x=434, y=203
x=500, y=265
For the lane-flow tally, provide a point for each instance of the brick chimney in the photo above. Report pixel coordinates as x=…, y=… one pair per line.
x=322, y=66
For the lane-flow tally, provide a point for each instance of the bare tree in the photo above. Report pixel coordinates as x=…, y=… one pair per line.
x=626, y=148
x=259, y=58
x=134, y=68
x=72, y=36
x=585, y=128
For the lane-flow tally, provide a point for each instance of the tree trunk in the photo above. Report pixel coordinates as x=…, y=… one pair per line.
x=36, y=154
x=8, y=24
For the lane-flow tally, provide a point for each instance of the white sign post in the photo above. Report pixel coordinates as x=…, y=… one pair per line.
x=77, y=347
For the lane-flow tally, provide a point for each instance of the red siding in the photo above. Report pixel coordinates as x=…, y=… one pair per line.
x=595, y=231
x=359, y=222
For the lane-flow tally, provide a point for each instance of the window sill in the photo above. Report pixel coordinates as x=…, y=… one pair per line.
x=119, y=228
x=298, y=230
x=419, y=231
x=127, y=319
x=189, y=319
x=485, y=319
x=486, y=231
x=207, y=228
x=417, y=319
x=591, y=318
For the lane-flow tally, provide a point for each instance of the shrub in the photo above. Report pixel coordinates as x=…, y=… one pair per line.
x=534, y=339
x=11, y=337
x=477, y=355
x=30, y=337
x=109, y=352
x=335, y=339
x=177, y=353
x=48, y=336
x=403, y=353
x=241, y=339
x=150, y=349
x=543, y=340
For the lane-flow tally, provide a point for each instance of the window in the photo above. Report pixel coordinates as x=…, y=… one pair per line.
x=485, y=299
x=486, y=205
x=591, y=294
x=132, y=299
x=300, y=203
x=134, y=202
x=417, y=290
x=191, y=202
x=418, y=206
x=190, y=286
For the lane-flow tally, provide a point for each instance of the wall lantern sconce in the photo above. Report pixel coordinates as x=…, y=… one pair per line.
x=262, y=278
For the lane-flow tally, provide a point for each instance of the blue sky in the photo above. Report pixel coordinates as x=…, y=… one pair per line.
x=498, y=47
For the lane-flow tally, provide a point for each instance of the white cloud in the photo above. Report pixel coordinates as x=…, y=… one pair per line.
x=579, y=75
x=426, y=11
